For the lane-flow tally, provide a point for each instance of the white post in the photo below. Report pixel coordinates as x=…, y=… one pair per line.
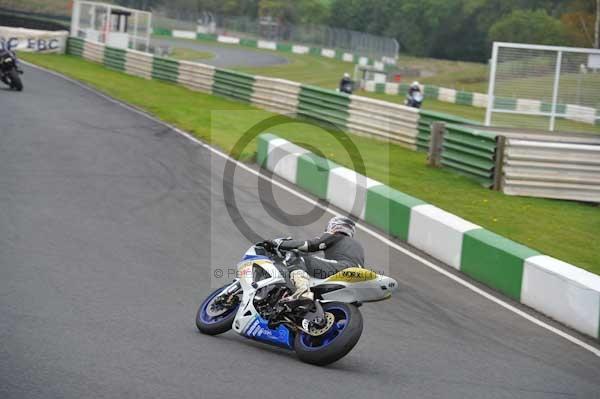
x=107, y=24
x=93, y=19
x=555, y=90
x=491, y=86
x=148, y=31
x=75, y=18
x=135, y=30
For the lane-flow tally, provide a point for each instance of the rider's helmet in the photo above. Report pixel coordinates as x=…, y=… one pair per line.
x=341, y=224
x=415, y=85
x=346, y=75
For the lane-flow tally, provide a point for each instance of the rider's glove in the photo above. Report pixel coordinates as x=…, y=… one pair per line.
x=273, y=245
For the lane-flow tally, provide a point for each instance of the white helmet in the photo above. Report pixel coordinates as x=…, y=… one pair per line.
x=341, y=224
x=415, y=85
x=346, y=75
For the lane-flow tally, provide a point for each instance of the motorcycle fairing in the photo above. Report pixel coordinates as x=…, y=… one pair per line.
x=258, y=329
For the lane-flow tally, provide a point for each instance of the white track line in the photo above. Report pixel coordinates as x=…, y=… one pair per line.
x=362, y=227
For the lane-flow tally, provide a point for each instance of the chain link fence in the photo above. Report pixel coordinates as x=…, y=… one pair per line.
x=269, y=29
x=543, y=86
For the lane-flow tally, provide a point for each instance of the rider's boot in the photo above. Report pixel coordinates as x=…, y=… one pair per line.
x=301, y=280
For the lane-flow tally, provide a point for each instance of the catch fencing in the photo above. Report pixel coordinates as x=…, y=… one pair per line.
x=543, y=78
x=300, y=49
x=266, y=29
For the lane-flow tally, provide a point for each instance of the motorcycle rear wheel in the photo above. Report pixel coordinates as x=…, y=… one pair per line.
x=15, y=80
x=337, y=341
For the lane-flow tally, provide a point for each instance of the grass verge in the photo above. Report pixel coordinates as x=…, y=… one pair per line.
x=566, y=230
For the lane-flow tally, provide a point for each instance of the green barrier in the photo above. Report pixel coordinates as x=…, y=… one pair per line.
x=248, y=43
x=389, y=209
x=495, y=261
x=505, y=103
x=313, y=174
x=464, y=98
x=323, y=105
x=403, y=88
x=379, y=87
x=262, y=148
x=315, y=51
x=114, y=58
x=432, y=92
x=426, y=118
x=206, y=36
x=284, y=47
x=232, y=84
x=162, y=32
x=165, y=69
x=470, y=153
x=75, y=46
x=560, y=108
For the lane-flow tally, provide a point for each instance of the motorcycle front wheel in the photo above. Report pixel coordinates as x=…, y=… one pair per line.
x=336, y=342
x=212, y=320
x=15, y=80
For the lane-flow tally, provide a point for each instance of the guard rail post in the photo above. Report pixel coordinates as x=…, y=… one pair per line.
x=435, y=145
x=499, y=162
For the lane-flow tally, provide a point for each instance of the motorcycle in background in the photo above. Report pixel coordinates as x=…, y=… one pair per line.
x=10, y=71
x=415, y=99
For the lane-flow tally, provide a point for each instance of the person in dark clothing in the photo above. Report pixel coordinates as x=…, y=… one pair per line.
x=340, y=251
x=346, y=84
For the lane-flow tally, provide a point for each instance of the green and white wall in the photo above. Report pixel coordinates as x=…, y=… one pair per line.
x=559, y=290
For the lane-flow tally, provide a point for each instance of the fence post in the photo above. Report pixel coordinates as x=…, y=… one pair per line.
x=435, y=144
x=499, y=162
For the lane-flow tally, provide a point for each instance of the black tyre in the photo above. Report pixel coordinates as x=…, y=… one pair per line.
x=212, y=322
x=15, y=80
x=337, y=341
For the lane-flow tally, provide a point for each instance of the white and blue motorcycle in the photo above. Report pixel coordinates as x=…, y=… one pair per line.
x=320, y=331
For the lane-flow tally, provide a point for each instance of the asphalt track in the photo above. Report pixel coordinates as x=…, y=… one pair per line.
x=109, y=224
x=226, y=56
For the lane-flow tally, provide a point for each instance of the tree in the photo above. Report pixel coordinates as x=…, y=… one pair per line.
x=533, y=27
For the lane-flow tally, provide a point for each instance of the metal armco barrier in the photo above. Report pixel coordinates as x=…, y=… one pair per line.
x=552, y=169
x=384, y=120
x=470, y=152
x=426, y=118
x=276, y=95
x=322, y=104
x=165, y=69
x=197, y=77
x=233, y=84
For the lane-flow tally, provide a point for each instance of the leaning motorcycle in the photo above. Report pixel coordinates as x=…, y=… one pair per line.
x=320, y=331
x=415, y=99
x=10, y=71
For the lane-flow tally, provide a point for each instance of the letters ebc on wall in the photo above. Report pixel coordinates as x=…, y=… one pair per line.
x=32, y=40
